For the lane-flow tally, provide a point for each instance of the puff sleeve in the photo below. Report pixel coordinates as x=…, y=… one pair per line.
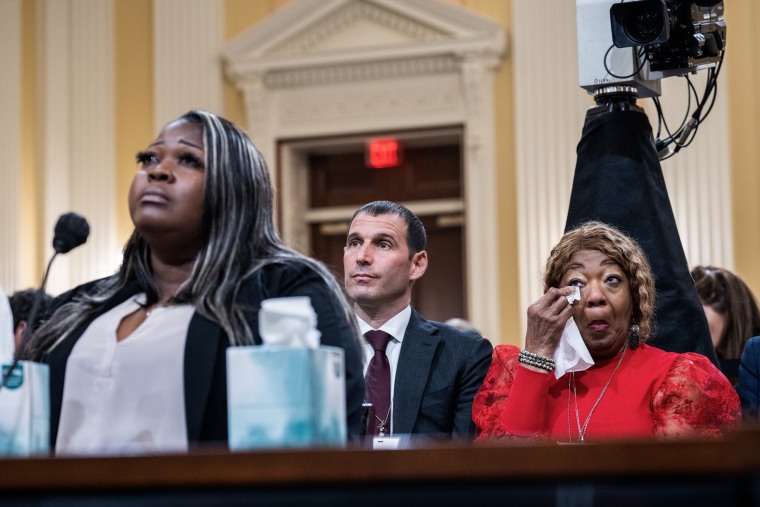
x=497, y=413
x=695, y=399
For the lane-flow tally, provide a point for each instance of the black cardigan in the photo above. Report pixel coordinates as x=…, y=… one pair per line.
x=205, y=368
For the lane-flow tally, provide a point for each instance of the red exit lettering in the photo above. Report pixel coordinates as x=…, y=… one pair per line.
x=383, y=153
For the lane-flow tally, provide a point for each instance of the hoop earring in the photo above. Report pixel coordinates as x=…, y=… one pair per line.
x=633, y=338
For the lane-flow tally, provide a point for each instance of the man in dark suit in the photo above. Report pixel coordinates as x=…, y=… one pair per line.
x=435, y=369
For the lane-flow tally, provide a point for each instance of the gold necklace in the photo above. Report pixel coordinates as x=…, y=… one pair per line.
x=571, y=385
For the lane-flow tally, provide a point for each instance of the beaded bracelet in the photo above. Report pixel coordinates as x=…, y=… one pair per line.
x=529, y=358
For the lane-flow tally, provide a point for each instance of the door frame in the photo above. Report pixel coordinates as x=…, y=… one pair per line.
x=422, y=64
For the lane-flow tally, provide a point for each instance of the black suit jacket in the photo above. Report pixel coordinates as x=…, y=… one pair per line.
x=205, y=364
x=440, y=368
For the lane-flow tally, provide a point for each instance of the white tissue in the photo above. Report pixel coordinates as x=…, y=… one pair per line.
x=289, y=322
x=571, y=354
x=575, y=295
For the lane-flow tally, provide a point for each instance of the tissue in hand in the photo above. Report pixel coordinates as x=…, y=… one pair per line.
x=575, y=295
x=571, y=354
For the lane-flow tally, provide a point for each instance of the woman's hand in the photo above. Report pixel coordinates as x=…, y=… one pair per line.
x=547, y=319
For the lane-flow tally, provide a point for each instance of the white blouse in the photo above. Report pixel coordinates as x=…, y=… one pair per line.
x=127, y=397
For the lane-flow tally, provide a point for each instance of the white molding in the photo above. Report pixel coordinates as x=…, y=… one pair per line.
x=92, y=124
x=353, y=13
x=416, y=102
x=388, y=69
x=420, y=64
x=10, y=145
x=54, y=113
x=699, y=178
x=481, y=231
x=549, y=112
x=75, y=143
x=187, y=36
x=440, y=28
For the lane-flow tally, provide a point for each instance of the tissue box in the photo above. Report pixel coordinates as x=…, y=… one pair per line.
x=25, y=410
x=285, y=397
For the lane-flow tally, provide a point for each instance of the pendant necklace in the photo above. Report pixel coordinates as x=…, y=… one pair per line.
x=381, y=429
x=571, y=385
x=152, y=308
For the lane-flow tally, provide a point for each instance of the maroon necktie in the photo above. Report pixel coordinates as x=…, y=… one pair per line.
x=378, y=380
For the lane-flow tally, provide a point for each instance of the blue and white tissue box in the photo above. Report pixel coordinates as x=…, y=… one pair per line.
x=25, y=410
x=286, y=397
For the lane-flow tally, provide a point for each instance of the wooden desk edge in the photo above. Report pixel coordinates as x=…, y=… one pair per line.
x=736, y=454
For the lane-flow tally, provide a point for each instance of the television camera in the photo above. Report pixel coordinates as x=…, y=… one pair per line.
x=625, y=48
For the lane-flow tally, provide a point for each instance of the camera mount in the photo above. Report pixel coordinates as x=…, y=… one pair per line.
x=615, y=98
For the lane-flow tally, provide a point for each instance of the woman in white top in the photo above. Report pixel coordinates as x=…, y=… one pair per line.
x=137, y=360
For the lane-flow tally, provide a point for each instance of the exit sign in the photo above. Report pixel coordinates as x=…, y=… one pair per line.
x=383, y=153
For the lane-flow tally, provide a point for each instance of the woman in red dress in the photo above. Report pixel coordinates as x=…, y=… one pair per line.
x=631, y=389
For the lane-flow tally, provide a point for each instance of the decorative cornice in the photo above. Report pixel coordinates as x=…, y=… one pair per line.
x=389, y=69
x=310, y=38
x=368, y=103
x=296, y=36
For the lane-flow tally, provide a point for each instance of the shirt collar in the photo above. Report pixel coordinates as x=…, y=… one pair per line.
x=396, y=325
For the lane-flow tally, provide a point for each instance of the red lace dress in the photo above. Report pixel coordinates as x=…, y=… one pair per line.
x=653, y=393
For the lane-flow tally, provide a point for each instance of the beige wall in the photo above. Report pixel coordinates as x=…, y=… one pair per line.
x=742, y=77
x=133, y=25
x=134, y=97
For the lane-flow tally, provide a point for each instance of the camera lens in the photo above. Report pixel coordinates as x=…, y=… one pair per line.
x=639, y=23
x=644, y=25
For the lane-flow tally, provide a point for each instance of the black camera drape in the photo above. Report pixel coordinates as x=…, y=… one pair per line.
x=618, y=180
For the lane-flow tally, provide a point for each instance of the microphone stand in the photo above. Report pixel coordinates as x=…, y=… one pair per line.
x=70, y=231
x=26, y=337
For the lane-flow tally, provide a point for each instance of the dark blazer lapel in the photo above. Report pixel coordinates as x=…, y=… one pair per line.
x=201, y=351
x=415, y=360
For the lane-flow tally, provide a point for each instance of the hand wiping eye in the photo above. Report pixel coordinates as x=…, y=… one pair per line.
x=575, y=295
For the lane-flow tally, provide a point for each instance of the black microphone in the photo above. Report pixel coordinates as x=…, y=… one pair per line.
x=71, y=231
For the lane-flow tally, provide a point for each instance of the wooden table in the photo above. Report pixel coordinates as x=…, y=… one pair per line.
x=641, y=473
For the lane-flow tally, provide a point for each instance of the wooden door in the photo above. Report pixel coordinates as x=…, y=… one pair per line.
x=430, y=174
